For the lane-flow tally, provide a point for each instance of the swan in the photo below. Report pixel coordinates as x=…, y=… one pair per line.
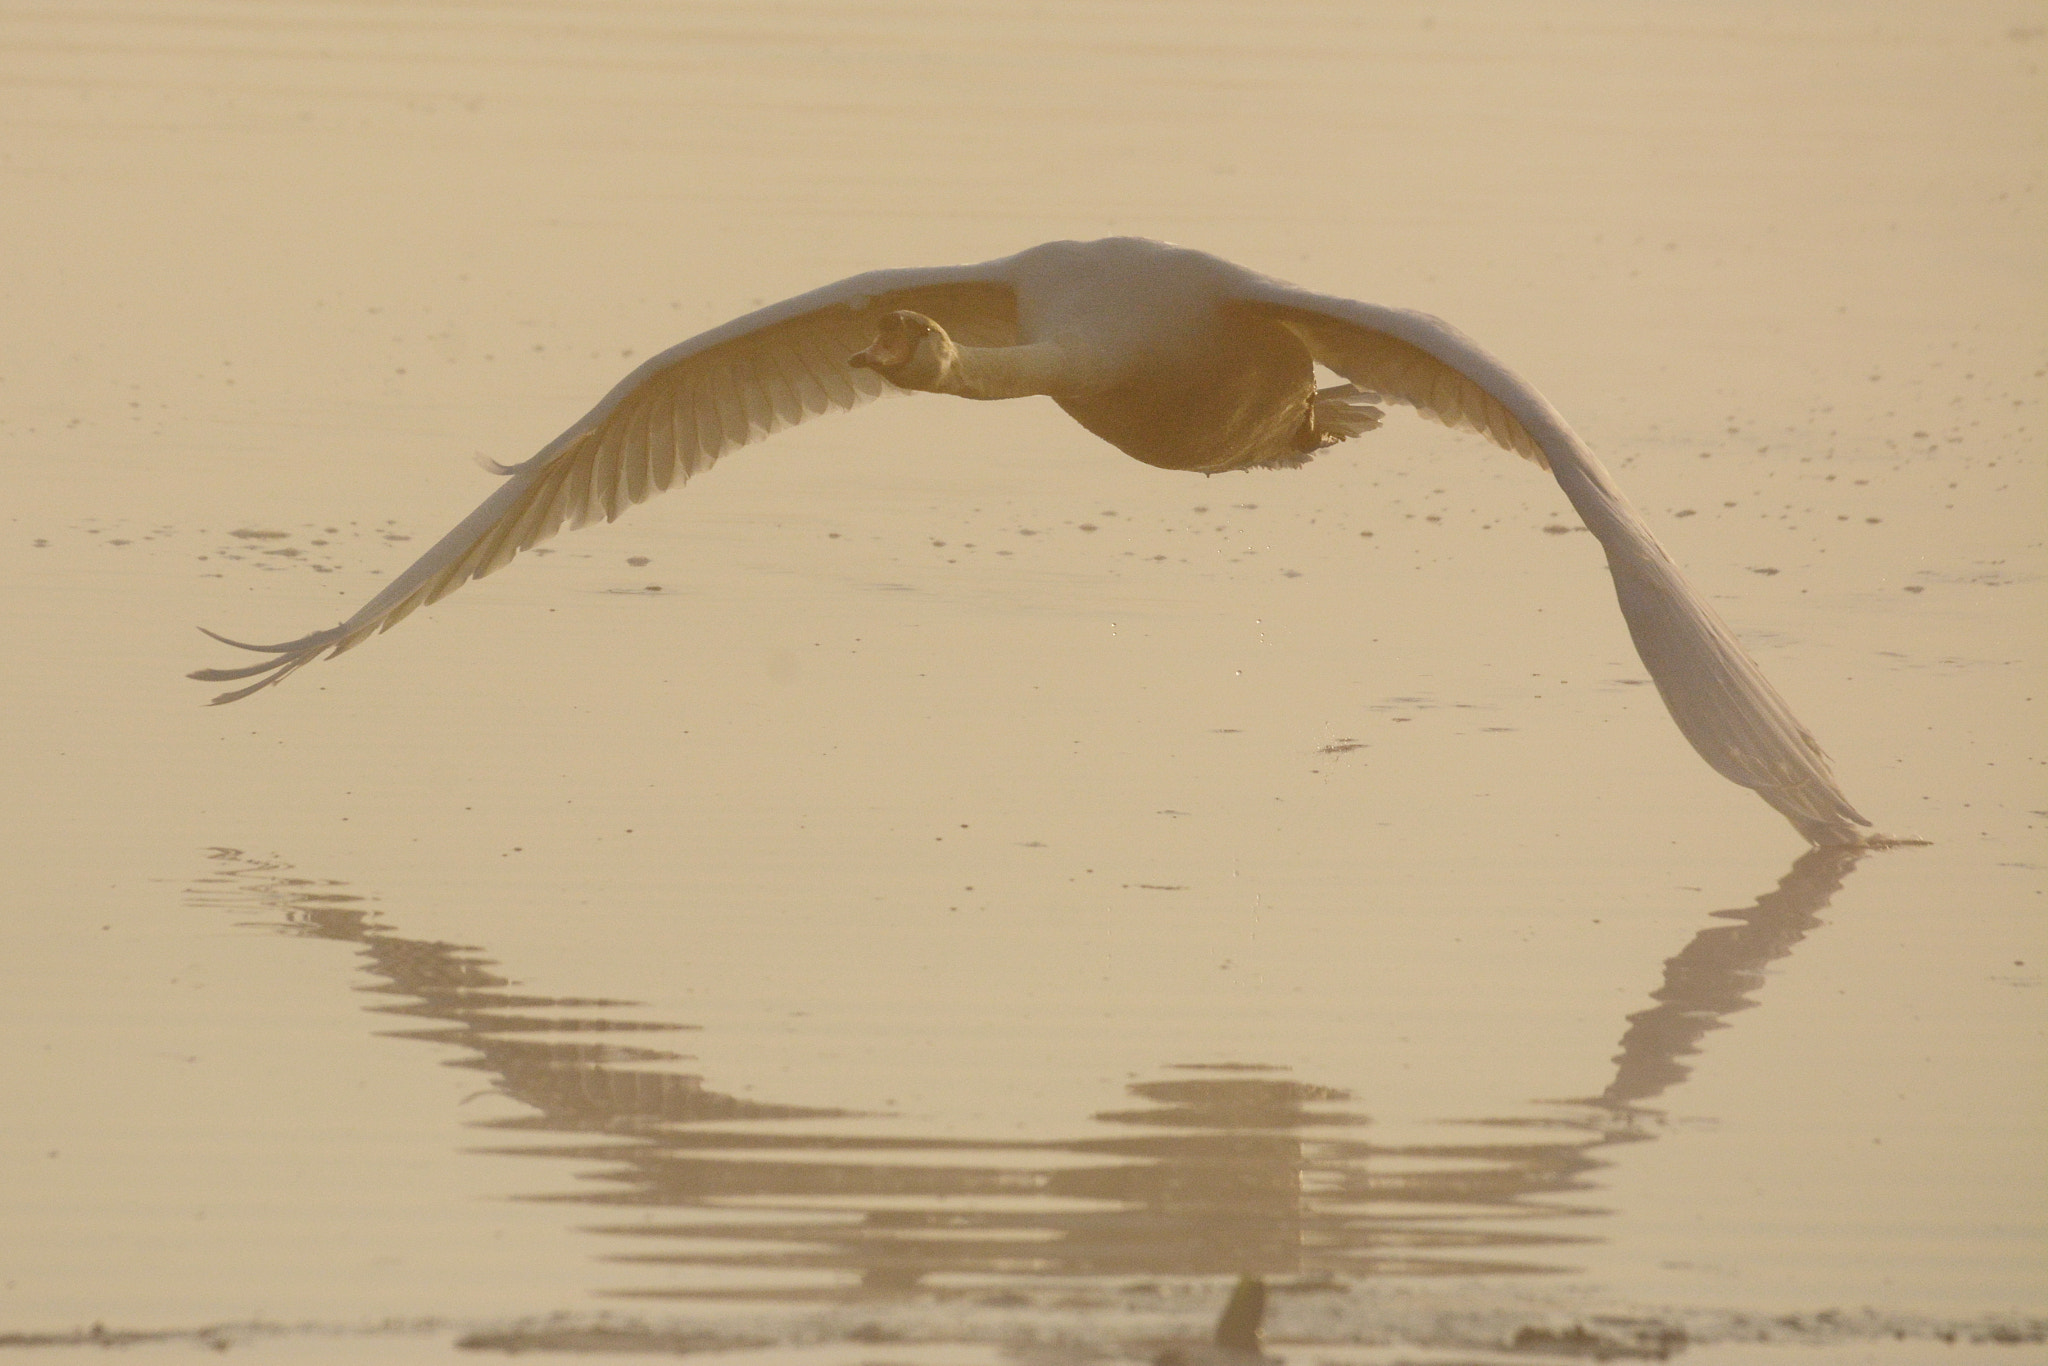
x=1176, y=357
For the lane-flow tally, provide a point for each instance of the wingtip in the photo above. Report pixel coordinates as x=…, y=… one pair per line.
x=286, y=659
x=1841, y=835
x=283, y=647
x=1875, y=840
x=237, y=694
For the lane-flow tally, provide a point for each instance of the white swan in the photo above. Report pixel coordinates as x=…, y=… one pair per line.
x=1176, y=357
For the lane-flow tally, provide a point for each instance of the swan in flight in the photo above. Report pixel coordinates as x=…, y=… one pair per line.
x=1176, y=357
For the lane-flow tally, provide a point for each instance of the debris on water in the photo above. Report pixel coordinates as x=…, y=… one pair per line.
x=1236, y=1340
x=1606, y=1340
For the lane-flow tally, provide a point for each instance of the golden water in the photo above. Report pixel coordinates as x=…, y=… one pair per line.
x=933, y=859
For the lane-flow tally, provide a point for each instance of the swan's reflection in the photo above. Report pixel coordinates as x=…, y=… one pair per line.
x=1713, y=976
x=1211, y=1170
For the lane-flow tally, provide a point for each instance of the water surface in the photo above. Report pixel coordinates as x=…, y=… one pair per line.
x=932, y=866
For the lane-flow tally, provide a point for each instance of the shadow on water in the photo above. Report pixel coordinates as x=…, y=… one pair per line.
x=1211, y=1169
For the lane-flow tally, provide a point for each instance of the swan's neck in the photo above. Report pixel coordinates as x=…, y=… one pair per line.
x=912, y=351
x=1002, y=371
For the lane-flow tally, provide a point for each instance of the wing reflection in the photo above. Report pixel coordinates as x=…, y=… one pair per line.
x=1713, y=977
x=1212, y=1170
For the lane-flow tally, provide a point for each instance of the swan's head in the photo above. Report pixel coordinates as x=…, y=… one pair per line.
x=910, y=351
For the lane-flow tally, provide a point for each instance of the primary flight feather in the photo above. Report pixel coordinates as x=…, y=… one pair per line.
x=1176, y=357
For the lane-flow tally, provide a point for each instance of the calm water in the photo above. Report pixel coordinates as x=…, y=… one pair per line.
x=934, y=871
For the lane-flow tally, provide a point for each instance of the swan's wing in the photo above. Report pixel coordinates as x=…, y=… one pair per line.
x=1714, y=691
x=668, y=420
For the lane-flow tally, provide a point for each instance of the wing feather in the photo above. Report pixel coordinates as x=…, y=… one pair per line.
x=710, y=433
x=607, y=470
x=1723, y=704
x=732, y=414
x=672, y=418
x=789, y=401
x=637, y=448
x=661, y=448
x=812, y=400
x=751, y=388
x=842, y=387
x=542, y=517
x=579, y=466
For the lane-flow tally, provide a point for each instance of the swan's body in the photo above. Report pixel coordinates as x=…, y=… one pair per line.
x=1178, y=358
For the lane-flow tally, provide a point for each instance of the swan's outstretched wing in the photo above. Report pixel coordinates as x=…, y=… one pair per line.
x=666, y=421
x=1720, y=699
